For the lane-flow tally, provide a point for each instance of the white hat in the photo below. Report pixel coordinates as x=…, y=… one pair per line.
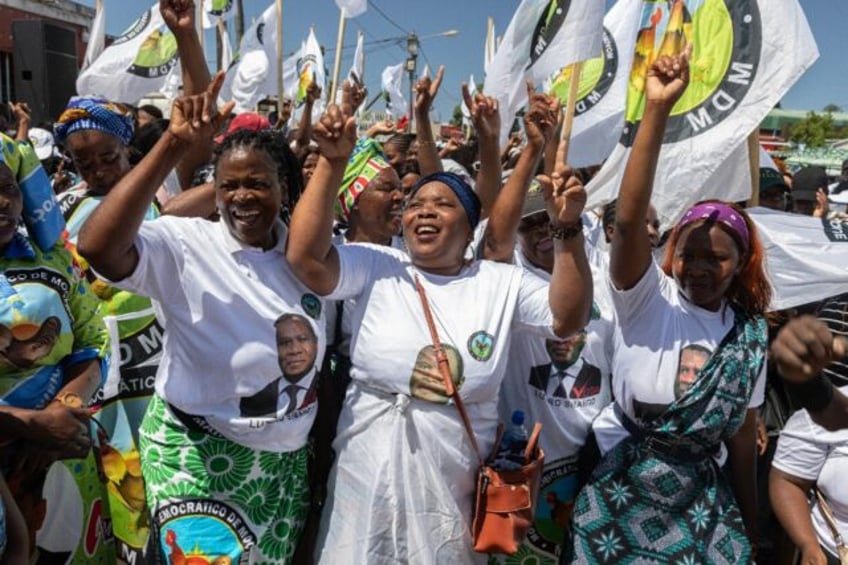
x=42, y=141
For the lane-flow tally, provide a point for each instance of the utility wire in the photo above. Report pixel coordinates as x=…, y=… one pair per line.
x=386, y=17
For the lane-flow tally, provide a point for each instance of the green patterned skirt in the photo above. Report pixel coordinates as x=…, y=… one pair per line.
x=212, y=498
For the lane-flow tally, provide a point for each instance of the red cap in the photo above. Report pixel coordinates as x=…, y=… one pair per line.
x=246, y=120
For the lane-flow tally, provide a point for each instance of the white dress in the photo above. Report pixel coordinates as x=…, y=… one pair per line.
x=402, y=486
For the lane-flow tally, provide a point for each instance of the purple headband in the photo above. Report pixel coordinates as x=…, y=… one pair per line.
x=719, y=213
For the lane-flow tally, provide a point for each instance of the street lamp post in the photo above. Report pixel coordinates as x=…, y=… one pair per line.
x=412, y=49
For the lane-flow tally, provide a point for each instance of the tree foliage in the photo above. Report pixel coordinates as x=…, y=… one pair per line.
x=813, y=131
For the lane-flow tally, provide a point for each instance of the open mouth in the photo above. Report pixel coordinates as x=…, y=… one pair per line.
x=7, y=221
x=246, y=216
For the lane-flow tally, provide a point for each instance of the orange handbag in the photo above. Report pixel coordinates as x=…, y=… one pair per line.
x=504, y=501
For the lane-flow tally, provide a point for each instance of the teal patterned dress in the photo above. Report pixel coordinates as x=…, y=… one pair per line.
x=644, y=505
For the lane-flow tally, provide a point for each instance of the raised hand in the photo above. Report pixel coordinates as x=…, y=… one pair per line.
x=178, y=15
x=484, y=113
x=335, y=132
x=426, y=90
x=21, y=111
x=383, y=127
x=540, y=120
x=196, y=119
x=313, y=93
x=358, y=93
x=804, y=347
x=668, y=78
x=564, y=195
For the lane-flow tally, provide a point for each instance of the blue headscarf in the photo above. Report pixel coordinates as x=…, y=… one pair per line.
x=467, y=197
x=86, y=112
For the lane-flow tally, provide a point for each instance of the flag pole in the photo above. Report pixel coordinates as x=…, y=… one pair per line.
x=334, y=84
x=280, y=85
x=490, y=40
x=568, y=121
x=754, y=164
x=200, y=28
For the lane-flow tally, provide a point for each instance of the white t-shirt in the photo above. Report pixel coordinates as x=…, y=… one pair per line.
x=391, y=330
x=809, y=451
x=220, y=300
x=656, y=325
x=565, y=410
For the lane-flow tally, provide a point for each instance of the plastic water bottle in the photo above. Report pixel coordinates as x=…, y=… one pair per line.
x=510, y=456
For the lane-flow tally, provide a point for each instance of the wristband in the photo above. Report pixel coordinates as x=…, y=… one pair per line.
x=567, y=231
x=813, y=395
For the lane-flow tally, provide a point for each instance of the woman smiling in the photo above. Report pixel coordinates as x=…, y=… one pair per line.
x=225, y=430
x=392, y=440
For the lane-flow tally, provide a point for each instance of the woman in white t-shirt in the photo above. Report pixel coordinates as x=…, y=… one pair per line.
x=688, y=361
x=402, y=485
x=808, y=456
x=223, y=442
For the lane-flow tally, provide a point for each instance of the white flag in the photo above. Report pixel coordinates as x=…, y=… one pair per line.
x=392, y=84
x=543, y=36
x=805, y=256
x=352, y=8
x=226, y=50
x=489, y=48
x=137, y=63
x=466, y=113
x=601, y=95
x=357, y=69
x=215, y=11
x=746, y=55
x=96, y=37
x=309, y=68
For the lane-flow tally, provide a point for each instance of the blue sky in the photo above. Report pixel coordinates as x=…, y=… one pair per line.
x=826, y=82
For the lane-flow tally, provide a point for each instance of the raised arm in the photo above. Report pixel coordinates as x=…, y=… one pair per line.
x=487, y=124
x=309, y=248
x=570, y=292
x=304, y=128
x=801, y=350
x=23, y=115
x=107, y=239
x=630, y=252
x=425, y=92
x=539, y=123
x=179, y=17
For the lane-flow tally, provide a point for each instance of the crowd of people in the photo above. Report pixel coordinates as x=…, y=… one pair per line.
x=224, y=357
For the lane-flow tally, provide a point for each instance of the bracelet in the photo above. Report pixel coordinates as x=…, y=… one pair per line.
x=813, y=395
x=69, y=399
x=566, y=232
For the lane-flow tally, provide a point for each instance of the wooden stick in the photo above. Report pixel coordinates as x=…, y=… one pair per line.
x=754, y=164
x=334, y=84
x=200, y=28
x=280, y=85
x=568, y=121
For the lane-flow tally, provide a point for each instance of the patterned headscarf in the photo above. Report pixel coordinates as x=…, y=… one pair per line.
x=86, y=112
x=364, y=165
x=43, y=219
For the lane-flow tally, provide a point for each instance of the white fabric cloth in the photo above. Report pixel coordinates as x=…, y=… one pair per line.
x=218, y=300
x=809, y=451
x=404, y=477
x=655, y=323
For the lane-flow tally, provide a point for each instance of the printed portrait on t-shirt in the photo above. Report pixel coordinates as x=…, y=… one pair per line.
x=567, y=375
x=297, y=350
x=692, y=358
x=426, y=382
x=24, y=344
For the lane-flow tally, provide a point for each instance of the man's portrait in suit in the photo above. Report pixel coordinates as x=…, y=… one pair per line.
x=568, y=375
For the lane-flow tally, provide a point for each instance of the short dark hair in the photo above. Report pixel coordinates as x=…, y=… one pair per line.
x=292, y=317
x=274, y=144
x=152, y=110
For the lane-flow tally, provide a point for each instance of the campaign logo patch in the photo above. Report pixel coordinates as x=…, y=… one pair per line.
x=552, y=522
x=547, y=28
x=726, y=39
x=311, y=305
x=481, y=345
x=596, y=77
x=156, y=56
x=208, y=531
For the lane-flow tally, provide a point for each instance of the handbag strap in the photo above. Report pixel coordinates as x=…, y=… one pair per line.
x=828, y=517
x=444, y=368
